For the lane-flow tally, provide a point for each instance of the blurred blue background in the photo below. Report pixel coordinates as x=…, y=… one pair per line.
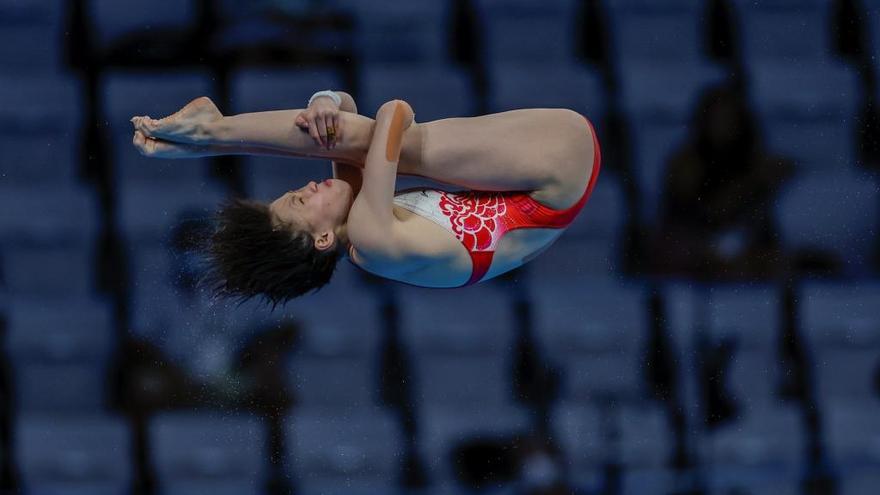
x=708, y=325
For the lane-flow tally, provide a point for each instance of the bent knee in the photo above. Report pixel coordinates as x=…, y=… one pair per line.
x=389, y=108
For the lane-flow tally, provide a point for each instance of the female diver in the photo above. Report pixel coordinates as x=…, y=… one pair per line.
x=528, y=173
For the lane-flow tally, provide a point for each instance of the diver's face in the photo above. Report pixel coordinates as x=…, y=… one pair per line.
x=318, y=207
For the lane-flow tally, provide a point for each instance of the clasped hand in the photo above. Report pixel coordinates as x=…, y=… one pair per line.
x=322, y=121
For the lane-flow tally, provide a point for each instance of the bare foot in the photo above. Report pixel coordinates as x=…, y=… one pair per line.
x=190, y=125
x=158, y=148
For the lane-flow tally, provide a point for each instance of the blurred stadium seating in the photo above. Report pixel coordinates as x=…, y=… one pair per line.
x=644, y=384
x=23, y=22
x=77, y=453
x=198, y=453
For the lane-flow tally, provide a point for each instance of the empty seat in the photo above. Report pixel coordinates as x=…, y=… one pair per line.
x=527, y=33
x=265, y=89
x=655, y=482
x=839, y=322
x=784, y=30
x=808, y=113
x=592, y=244
x=771, y=438
x=336, y=360
x=156, y=94
x=658, y=126
x=73, y=454
x=43, y=331
x=149, y=213
x=644, y=31
x=360, y=451
x=699, y=319
x=21, y=23
x=832, y=212
x=442, y=429
x=852, y=430
x=387, y=31
x=156, y=301
x=45, y=231
x=644, y=438
x=683, y=310
x=749, y=317
x=568, y=260
x=435, y=92
x=460, y=344
x=577, y=87
x=761, y=452
x=115, y=22
x=50, y=216
x=78, y=386
x=36, y=271
x=860, y=483
x=265, y=27
x=40, y=128
x=208, y=452
x=583, y=438
x=595, y=329
x=754, y=483
x=59, y=353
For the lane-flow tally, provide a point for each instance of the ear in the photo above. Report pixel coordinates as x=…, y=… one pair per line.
x=325, y=240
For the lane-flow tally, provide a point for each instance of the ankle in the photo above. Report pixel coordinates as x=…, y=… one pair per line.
x=216, y=131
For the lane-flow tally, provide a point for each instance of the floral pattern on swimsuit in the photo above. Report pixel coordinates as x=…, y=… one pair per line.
x=474, y=218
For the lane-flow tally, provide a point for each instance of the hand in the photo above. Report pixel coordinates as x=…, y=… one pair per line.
x=322, y=121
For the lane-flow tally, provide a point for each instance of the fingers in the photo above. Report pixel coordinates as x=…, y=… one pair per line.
x=323, y=126
x=146, y=125
x=308, y=119
x=337, y=126
x=313, y=131
x=321, y=123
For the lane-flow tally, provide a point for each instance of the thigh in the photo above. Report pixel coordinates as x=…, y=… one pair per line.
x=528, y=149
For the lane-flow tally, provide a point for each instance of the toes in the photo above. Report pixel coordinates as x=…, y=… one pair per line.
x=146, y=126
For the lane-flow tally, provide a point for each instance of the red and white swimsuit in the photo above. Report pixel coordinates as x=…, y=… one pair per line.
x=480, y=218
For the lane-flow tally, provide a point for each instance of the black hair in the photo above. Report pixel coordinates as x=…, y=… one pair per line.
x=246, y=256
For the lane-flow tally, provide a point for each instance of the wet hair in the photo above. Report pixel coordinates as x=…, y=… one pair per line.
x=246, y=256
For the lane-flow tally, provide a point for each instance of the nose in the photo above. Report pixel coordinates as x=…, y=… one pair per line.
x=314, y=186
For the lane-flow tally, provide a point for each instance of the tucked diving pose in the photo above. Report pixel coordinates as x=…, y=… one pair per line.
x=526, y=174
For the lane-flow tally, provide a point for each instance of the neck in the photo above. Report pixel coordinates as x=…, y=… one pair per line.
x=343, y=245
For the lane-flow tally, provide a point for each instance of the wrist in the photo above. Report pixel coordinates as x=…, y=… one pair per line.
x=321, y=98
x=328, y=94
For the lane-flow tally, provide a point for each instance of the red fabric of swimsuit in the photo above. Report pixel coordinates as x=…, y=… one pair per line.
x=479, y=218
